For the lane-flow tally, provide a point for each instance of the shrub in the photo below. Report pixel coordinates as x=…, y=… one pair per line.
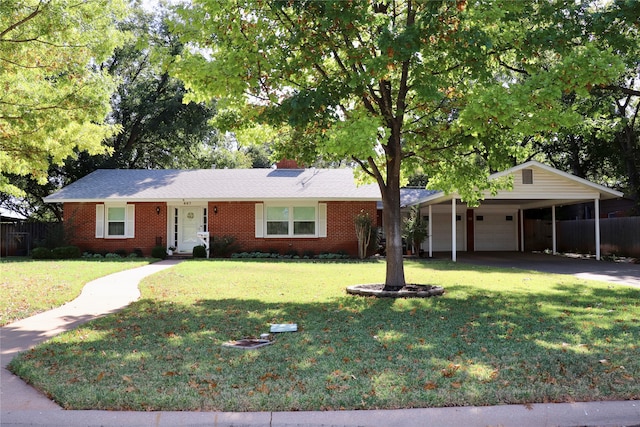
x=199, y=251
x=66, y=252
x=159, y=252
x=138, y=252
x=41, y=253
x=112, y=256
x=121, y=252
x=291, y=253
x=329, y=255
x=223, y=246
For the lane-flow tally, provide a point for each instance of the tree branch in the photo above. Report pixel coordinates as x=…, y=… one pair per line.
x=625, y=90
x=24, y=20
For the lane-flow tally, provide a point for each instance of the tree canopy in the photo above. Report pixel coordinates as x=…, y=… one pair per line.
x=54, y=96
x=155, y=128
x=605, y=145
x=395, y=85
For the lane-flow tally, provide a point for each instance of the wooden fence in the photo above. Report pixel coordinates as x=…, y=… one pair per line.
x=20, y=238
x=618, y=236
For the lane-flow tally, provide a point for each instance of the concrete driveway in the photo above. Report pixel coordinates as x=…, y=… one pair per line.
x=606, y=271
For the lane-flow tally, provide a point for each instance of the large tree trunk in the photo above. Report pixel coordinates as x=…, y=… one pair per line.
x=391, y=216
x=391, y=212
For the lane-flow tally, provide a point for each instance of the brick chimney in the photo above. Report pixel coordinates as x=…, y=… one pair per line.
x=288, y=164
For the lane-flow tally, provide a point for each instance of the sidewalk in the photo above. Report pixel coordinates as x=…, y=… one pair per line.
x=22, y=405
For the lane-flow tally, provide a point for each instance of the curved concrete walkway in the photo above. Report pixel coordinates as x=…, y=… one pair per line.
x=22, y=405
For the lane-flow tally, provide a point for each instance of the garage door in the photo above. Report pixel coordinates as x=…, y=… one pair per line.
x=442, y=233
x=496, y=232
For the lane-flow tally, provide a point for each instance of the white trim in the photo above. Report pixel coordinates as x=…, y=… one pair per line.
x=99, y=221
x=322, y=220
x=259, y=220
x=454, y=248
x=554, y=235
x=430, y=232
x=597, y=231
x=130, y=221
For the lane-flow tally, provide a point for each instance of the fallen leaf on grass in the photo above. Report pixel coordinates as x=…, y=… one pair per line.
x=430, y=385
x=450, y=370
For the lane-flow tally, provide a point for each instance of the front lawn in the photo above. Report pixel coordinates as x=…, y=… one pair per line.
x=29, y=287
x=496, y=336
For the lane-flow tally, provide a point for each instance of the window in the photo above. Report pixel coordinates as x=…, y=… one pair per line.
x=527, y=176
x=277, y=221
x=205, y=219
x=291, y=220
x=304, y=220
x=284, y=220
x=115, y=221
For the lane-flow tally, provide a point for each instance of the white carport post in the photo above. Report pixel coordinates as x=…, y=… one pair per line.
x=453, y=230
x=554, y=242
x=430, y=233
x=596, y=203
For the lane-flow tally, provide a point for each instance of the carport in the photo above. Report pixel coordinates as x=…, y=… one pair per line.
x=497, y=224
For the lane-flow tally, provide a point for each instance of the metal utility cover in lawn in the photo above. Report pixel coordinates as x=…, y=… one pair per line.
x=284, y=327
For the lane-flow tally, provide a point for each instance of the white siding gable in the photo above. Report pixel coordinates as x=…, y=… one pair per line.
x=546, y=185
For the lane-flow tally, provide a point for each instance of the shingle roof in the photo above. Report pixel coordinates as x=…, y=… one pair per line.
x=410, y=196
x=216, y=184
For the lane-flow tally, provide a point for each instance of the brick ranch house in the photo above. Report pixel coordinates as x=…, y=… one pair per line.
x=313, y=210
x=263, y=209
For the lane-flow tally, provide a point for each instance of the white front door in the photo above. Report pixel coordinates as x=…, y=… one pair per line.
x=190, y=220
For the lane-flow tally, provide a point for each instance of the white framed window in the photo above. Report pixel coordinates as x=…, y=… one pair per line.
x=115, y=221
x=291, y=220
x=277, y=220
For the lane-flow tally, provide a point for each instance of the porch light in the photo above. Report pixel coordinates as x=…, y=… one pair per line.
x=158, y=210
x=215, y=209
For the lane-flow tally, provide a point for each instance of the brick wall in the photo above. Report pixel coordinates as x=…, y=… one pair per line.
x=235, y=219
x=150, y=228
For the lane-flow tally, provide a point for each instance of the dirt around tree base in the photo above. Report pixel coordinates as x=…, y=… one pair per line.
x=409, y=291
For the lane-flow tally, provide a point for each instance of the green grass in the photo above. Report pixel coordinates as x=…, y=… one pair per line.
x=29, y=287
x=496, y=336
